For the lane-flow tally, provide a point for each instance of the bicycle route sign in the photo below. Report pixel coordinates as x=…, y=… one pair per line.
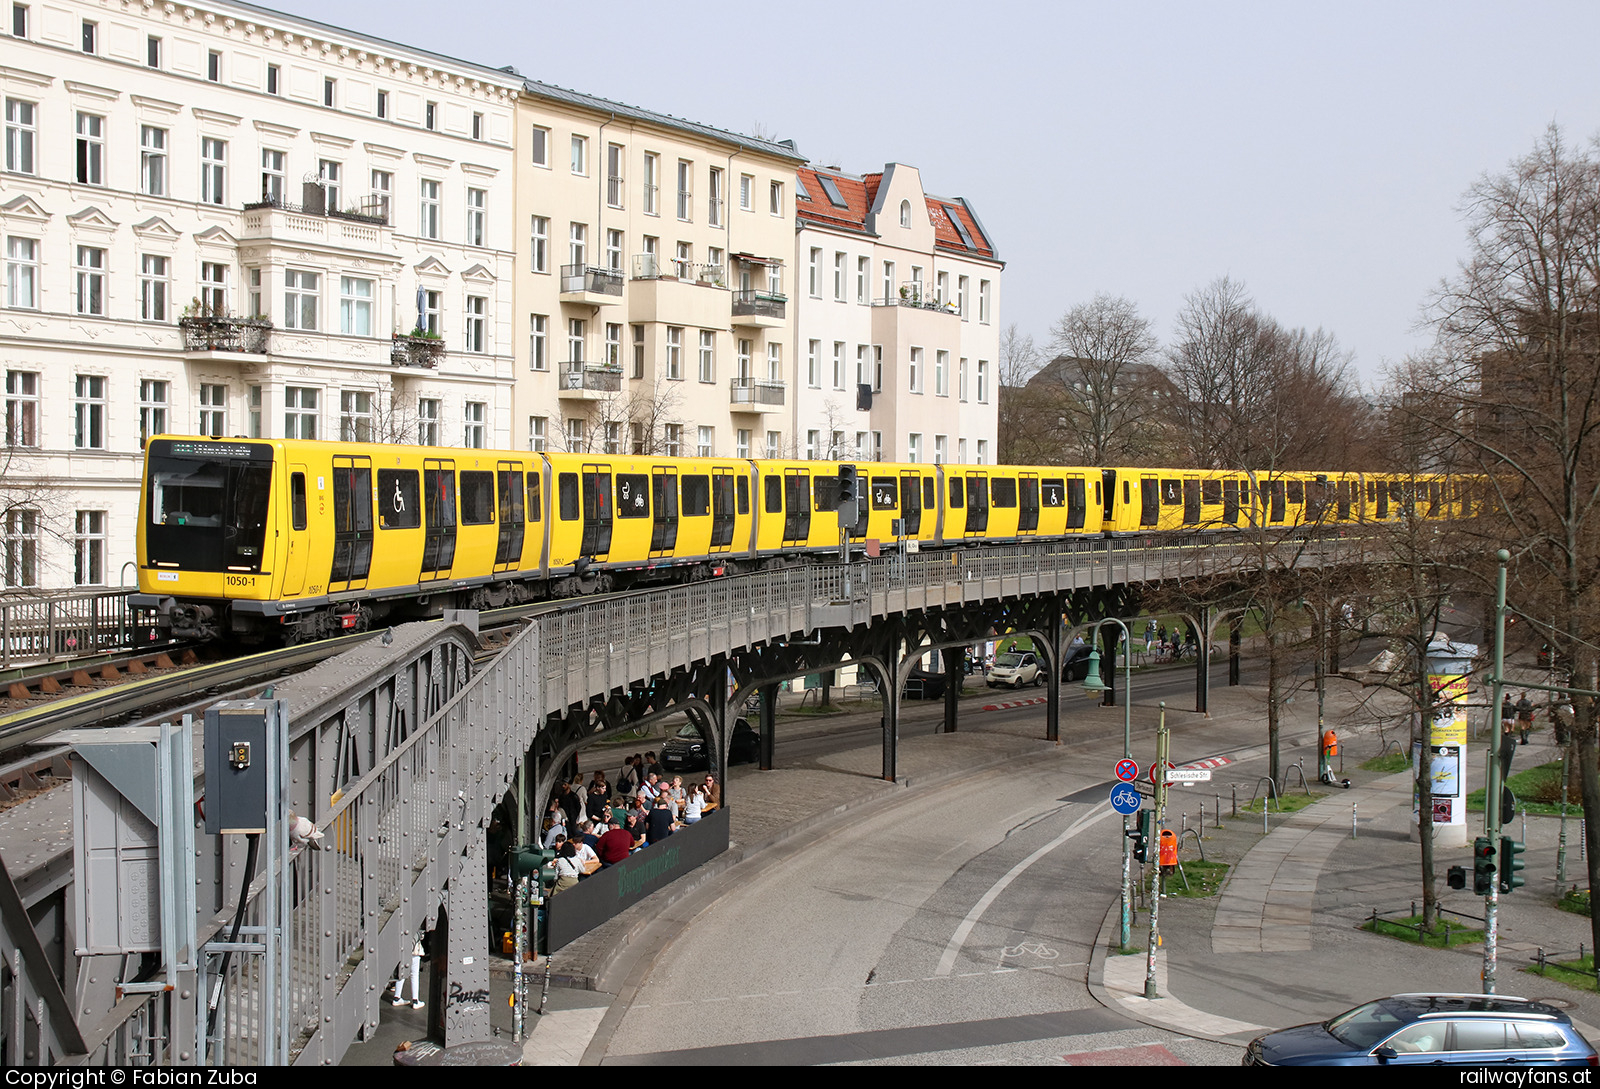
x=1127, y=770
x=1124, y=799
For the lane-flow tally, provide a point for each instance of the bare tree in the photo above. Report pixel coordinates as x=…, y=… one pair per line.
x=1020, y=358
x=1100, y=381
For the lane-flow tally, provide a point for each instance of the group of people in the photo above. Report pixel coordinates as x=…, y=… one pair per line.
x=1516, y=717
x=1166, y=644
x=593, y=826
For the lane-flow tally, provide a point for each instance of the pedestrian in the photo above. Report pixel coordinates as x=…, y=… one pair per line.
x=1524, y=716
x=567, y=868
x=399, y=999
x=658, y=826
x=1508, y=714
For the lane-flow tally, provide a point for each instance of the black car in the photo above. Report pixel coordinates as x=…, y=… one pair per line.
x=1431, y=1029
x=687, y=750
x=1075, y=662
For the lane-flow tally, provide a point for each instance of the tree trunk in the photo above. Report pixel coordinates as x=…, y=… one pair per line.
x=1274, y=684
x=1430, y=892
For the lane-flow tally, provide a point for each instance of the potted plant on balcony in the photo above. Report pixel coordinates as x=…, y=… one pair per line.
x=418, y=348
x=209, y=328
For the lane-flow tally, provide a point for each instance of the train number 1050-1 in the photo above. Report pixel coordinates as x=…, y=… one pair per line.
x=241, y=580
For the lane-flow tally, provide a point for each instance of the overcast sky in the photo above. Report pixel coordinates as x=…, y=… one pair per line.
x=1317, y=153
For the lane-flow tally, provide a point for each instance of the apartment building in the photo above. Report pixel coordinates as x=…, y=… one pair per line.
x=654, y=282
x=222, y=220
x=896, y=331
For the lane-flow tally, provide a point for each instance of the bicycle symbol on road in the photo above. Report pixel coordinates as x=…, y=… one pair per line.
x=1029, y=949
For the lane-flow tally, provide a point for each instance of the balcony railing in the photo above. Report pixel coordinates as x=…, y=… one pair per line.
x=414, y=351
x=714, y=212
x=602, y=377
x=914, y=295
x=614, y=190
x=759, y=304
x=577, y=279
x=755, y=391
x=208, y=333
x=370, y=210
x=648, y=266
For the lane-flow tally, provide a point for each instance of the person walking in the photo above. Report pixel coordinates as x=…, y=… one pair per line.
x=1524, y=717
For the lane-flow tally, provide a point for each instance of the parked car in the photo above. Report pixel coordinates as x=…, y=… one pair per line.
x=1431, y=1030
x=1016, y=669
x=687, y=751
x=1075, y=662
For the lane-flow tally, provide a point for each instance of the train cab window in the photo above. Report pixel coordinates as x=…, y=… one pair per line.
x=744, y=494
x=1053, y=493
x=399, y=499
x=958, y=493
x=696, y=492
x=930, y=493
x=535, y=504
x=633, y=495
x=477, y=498
x=297, y=500
x=567, y=496
x=774, y=490
x=1002, y=492
x=1211, y=492
x=885, y=493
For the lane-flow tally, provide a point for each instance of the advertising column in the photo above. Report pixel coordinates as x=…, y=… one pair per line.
x=1447, y=665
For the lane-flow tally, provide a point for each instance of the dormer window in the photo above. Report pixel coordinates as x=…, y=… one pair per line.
x=905, y=213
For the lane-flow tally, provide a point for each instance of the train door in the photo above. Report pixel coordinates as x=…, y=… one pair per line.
x=352, y=524
x=513, y=517
x=1109, y=478
x=439, y=518
x=1077, y=502
x=1149, y=501
x=663, y=510
x=1276, y=491
x=1230, y=501
x=1191, y=500
x=977, y=503
x=910, y=504
x=1027, y=502
x=294, y=567
x=597, y=511
x=796, y=506
x=722, y=509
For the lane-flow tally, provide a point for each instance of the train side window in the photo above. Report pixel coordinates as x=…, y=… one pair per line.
x=399, y=499
x=1211, y=492
x=696, y=501
x=1097, y=499
x=477, y=498
x=297, y=500
x=1075, y=502
x=535, y=505
x=1002, y=492
x=1297, y=491
x=1054, y=492
x=825, y=494
x=744, y=494
x=567, y=496
x=633, y=495
x=1127, y=492
x=930, y=494
x=958, y=492
x=774, y=489
x=885, y=493
x=1171, y=493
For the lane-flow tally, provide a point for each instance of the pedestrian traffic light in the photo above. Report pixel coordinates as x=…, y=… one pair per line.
x=1456, y=877
x=1511, y=864
x=1483, y=876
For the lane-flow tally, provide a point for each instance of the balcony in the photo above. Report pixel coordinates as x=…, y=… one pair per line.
x=759, y=308
x=913, y=295
x=591, y=285
x=755, y=395
x=416, y=351
x=582, y=381
x=210, y=333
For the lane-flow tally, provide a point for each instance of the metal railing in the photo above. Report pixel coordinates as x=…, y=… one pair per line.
x=755, y=391
x=68, y=624
x=371, y=210
x=210, y=333
x=591, y=376
x=576, y=279
x=415, y=351
x=759, y=304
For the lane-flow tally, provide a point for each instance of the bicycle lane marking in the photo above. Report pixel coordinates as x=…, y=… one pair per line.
x=953, y=950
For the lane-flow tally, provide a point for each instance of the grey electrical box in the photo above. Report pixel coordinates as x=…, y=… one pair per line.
x=236, y=766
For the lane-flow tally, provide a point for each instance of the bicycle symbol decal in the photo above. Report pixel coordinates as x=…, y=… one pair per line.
x=1027, y=949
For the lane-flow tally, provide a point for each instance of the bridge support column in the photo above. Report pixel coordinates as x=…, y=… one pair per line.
x=1056, y=630
x=465, y=994
x=1202, y=663
x=955, y=671
x=891, y=704
x=1233, y=651
x=769, y=726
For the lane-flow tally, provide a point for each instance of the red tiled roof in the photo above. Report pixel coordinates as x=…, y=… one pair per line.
x=872, y=181
x=822, y=210
x=944, y=234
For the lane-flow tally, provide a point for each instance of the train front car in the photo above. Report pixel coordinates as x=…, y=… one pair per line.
x=205, y=540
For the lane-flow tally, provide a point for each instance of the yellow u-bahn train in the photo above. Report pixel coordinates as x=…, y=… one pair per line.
x=284, y=540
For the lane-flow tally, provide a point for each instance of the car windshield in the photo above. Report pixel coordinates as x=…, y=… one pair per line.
x=1364, y=1026
x=688, y=730
x=1009, y=661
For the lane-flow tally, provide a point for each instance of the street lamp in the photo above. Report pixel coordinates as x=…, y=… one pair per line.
x=1095, y=686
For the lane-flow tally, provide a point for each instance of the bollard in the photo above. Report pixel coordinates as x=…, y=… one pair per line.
x=1263, y=816
x=1447, y=934
x=1352, y=820
x=1218, y=808
x=1236, y=799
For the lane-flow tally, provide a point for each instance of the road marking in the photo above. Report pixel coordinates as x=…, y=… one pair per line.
x=959, y=938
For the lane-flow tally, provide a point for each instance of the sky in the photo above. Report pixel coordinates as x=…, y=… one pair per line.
x=1317, y=153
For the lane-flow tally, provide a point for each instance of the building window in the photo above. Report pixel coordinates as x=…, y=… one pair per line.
x=674, y=352
x=983, y=451
x=383, y=105
x=539, y=234
x=274, y=79
x=90, y=275
x=614, y=251
x=685, y=197
x=905, y=221
x=838, y=364
x=578, y=244
x=714, y=198
x=538, y=342
x=612, y=437
x=430, y=116
x=89, y=567
x=863, y=273
x=213, y=66
x=941, y=449
x=576, y=334
x=19, y=20
x=355, y=306
x=428, y=209
x=154, y=287
x=574, y=435
x=213, y=410
x=22, y=273
x=983, y=301
x=941, y=291
x=253, y=402
x=301, y=292
x=90, y=36
x=813, y=273
x=152, y=409
x=477, y=323
x=747, y=185
x=888, y=283
x=427, y=421
x=580, y=155
x=672, y=439
x=983, y=382
x=615, y=187
x=22, y=135
x=913, y=448
x=916, y=371
x=613, y=345
x=22, y=408
x=538, y=434
x=539, y=146
x=861, y=365
x=22, y=548
x=258, y=309
x=273, y=172
x=941, y=374
x=638, y=351
x=432, y=301
x=477, y=126
x=708, y=356
x=774, y=444
x=961, y=297
x=741, y=443
x=838, y=277
x=683, y=263
x=382, y=187
x=328, y=174
x=652, y=183
x=89, y=412
x=152, y=51
x=152, y=161
x=355, y=416
x=330, y=88
x=813, y=364
x=813, y=440
x=91, y=149
x=775, y=362
x=477, y=216
x=961, y=379
x=877, y=368
x=775, y=198
x=707, y=442
x=742, y=359
x=213, y=170
x=299, y=412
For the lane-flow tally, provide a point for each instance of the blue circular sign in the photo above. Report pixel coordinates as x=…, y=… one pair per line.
x=1127, y=770
x=1125, y=799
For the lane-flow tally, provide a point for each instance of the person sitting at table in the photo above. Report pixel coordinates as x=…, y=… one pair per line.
x=585, y=855
x=712, y=790
x=658, y=826
x=639, y=810
x=557, y=833
x=694, y=807
x=650, y=787
x=588, y=832
x=615, y=845
x=677, y=792
x=634, y=826
x=568, y=870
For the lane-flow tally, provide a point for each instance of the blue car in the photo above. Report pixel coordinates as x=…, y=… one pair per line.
x=1431, y=1030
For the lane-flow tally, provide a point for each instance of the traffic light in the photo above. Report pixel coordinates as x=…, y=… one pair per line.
x=1456, y=877
x=1140, y=834
x=1511, y=864
x=1483, y=876
x=849, y=488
